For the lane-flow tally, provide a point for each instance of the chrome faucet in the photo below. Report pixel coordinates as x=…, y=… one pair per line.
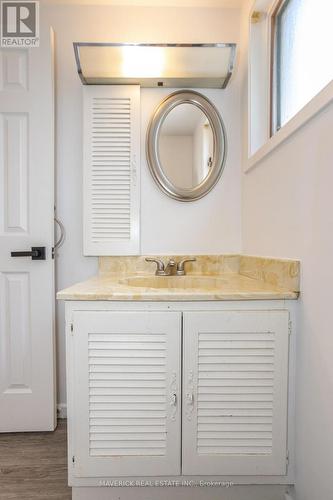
x=163, y=270
x=181, y=266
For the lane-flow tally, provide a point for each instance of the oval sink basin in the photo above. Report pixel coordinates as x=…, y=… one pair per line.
x=183, y=282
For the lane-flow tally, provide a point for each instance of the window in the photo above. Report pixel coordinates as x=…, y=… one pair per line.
x=290, y=75
x=302, y=56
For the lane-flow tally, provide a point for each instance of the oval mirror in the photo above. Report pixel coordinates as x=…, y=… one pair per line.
x=186, y=145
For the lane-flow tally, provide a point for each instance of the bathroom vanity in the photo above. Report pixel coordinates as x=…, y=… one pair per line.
x=186, y=380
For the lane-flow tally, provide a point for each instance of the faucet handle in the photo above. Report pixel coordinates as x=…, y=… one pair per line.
x=181, y=266
x=160, y=265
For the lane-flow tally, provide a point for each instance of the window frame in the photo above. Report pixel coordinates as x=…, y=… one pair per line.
x=271, y=137
x=274, y=107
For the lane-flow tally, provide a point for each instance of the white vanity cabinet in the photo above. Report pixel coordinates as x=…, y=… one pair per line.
x=176, y=389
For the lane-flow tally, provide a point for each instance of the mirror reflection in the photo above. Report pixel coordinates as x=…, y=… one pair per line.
x=186, y=146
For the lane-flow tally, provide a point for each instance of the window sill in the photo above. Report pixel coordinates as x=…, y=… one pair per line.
x=311, y=109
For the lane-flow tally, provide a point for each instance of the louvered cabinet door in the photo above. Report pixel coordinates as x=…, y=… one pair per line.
x=126, y=393
x=111, y=159
x=235, y=392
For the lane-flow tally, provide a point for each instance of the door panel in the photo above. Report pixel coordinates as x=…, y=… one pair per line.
x=126, y=392
x=235, y=392
x=14, y=141
x=27, y=385
x=16, y=375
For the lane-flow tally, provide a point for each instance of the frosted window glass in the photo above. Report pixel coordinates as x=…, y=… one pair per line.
x=304, y=61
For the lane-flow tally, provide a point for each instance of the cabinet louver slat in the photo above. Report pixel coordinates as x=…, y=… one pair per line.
x=149, y=401
x=111, y=154
x=253, y=354
x=235, y=402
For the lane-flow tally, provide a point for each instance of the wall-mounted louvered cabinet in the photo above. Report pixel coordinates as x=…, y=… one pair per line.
x=111, y=170
x=153, y=391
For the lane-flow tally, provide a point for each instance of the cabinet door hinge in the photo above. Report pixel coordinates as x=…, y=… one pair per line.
x=290, y=326
x=287, y=458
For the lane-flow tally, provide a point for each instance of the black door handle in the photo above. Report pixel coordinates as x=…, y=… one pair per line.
x=36, y=253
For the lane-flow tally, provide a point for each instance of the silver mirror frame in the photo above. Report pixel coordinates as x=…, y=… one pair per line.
x=220, y=145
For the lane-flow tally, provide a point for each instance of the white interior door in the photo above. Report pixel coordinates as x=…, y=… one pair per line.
x=27, y=386
x=126, y=387
x=235, y=392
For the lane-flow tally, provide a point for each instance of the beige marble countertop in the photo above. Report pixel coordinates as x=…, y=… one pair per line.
x=227, y=286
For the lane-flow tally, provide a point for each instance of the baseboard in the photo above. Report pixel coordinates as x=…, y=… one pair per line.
x=62, y=410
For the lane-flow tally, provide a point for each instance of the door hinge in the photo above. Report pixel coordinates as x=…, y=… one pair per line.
x=290, y=326
x=287, y=458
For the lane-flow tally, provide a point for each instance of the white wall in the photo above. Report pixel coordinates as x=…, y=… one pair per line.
x=167, y=226
x=288, y=212
x=211, y=225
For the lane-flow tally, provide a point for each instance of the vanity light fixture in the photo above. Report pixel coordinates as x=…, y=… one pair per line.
x=198, y=65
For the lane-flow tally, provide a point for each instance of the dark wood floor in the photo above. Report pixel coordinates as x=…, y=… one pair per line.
x=33, y=465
